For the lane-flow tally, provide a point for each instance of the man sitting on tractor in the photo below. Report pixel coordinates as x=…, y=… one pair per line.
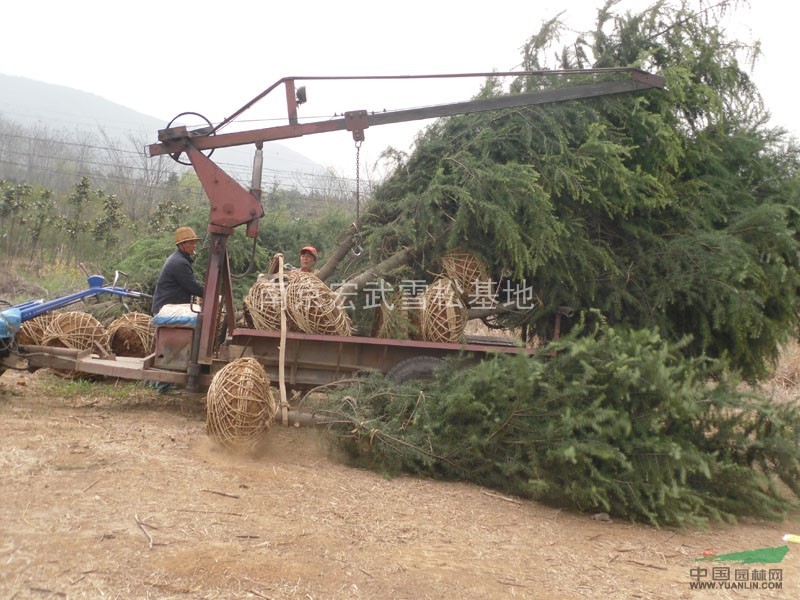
x=177, y=283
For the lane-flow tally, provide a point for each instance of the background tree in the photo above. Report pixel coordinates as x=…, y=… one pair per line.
x=40, y=220
x=673, y=208
x=13, y=206
x=670, y=219
x=106, y=226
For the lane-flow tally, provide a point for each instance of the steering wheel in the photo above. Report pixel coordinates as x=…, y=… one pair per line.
x=201, y=131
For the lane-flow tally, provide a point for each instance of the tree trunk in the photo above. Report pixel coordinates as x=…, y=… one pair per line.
x=339, y=253
x=356, y=283
x=373, y=272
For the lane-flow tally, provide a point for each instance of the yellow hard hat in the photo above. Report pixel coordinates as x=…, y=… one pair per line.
x=185, y=234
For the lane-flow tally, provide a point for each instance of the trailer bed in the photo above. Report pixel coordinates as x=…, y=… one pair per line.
x=309, y=360
x=312, y=359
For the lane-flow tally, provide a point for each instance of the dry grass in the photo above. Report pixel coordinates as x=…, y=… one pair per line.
x=784, y=385
x=104, y=494
x=109, y=490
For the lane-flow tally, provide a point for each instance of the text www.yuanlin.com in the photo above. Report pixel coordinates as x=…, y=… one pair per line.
x=735, y=585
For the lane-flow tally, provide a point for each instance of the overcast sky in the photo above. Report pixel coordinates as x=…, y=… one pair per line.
x=165, y=57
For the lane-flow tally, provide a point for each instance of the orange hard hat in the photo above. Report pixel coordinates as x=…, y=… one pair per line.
x=185, y=234
x=310, y=249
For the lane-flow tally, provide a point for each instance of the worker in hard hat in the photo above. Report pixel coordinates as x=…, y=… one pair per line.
x=177, y=283
x=308, y=258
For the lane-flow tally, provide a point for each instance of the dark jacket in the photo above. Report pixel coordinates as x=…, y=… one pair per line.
x=176, y=283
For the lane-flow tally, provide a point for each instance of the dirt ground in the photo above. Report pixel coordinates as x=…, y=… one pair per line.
x=111, y=491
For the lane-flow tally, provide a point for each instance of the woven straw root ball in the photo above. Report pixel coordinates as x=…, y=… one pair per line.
x=132, y=334
x=262, y=303
x=32, y=332
x=315, y=308
x=398, y=317
x=444, y=315
x=74, y=329
x=239, y=404
x=467, y=272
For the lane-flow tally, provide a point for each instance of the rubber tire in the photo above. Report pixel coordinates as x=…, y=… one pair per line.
x=417, y=368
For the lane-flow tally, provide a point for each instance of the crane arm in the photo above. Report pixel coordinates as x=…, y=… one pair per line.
x=175, y=140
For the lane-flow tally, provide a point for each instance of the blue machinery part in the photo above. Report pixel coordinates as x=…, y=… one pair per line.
x=11, y=319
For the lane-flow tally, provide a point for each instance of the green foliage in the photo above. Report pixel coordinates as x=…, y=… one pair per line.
x=75, y=222
x=105, y=228
x=13, y=204
x=278, y=232
x=81, y=389
x=617, y=421
x=674, y=208
x=181, y=200
x=144, y=259
x=168, y=216
x=78, y=227
x=40, y=219
x=70, y=389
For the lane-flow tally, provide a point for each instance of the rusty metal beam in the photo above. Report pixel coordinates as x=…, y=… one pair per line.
x=178, y=139
x=231, y=204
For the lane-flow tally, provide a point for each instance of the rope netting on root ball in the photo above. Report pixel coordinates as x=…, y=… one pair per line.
x=32, y=332
x=132, y=334
x=239, y=404
x=315, y=308
x=468, y=272
x=399, y=317
x=444, y=315
x=262, y=303
x=76, y=330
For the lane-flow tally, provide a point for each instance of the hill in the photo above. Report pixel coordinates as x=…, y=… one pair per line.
x=37, y=105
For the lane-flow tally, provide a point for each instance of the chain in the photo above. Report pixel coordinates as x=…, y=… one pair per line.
x=357, y=249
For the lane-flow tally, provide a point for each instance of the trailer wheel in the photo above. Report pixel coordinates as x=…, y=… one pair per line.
x=417, y=368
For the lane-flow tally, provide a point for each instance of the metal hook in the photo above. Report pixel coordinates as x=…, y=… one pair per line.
x=356, y=249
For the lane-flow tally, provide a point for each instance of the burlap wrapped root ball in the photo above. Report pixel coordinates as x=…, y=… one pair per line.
x=32, y=332
x=468, y=272
x=315, y=308
x=239, y=404
x=132, y=335
x=76, y=330
x=444, y=315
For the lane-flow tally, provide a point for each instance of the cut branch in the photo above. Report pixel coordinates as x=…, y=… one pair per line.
x=142, y=526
